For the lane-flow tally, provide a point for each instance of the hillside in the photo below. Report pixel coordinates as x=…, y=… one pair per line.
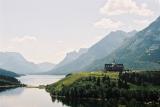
x=70, y=57
x=8, y=73
x=7, y=82
x=71, y=78
x=101, y=49
x=139, y=52
x=115, y=89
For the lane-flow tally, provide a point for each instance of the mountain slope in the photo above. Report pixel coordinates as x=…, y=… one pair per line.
x=71, y=56
x=8, y=73
x=104, y=47
x=45, y=66
x=139, y=52
x=13, y=61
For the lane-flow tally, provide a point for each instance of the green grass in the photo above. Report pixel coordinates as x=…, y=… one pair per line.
x=69, y=80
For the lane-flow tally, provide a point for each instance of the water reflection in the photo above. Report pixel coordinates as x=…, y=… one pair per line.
x=36, y=80
x=12, y=92
x=34, y=97
x=27, y=97
x=101, y=103
x=85, y=103
x=30, y=97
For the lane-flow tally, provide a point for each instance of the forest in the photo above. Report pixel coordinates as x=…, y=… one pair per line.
x=128, y=87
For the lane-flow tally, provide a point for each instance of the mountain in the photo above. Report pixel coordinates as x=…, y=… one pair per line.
x=101, y=49
x=71, y=56
x=141, y=51
x=8, y=73
x=13, y=61
x=45, y=66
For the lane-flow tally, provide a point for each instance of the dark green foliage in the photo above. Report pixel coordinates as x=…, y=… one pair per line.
x=87, y=103
x=7, y=82
x=142, y=78
x=90, y=87
x=119, y=90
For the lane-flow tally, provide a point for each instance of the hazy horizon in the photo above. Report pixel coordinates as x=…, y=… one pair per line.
x=44, y=31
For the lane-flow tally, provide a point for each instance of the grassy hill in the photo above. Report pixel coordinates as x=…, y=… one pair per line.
x=139, y=87
x=72, y=78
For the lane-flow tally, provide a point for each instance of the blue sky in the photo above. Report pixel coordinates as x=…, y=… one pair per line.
x=45, y=30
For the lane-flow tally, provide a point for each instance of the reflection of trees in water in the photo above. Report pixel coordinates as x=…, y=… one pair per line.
x=95, y=103
x=86, y=103
x=13, y=91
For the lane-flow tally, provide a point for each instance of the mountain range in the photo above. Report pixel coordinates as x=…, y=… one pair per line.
x=45, y=66
x=136, y=50
x=141, y=52
x=15, y=62
x=70, y=57
x=101, y=49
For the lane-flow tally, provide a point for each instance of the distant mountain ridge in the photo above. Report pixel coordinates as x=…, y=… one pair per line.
x=45, y=66
x=71, y=56
x=104, y=47
x=136, y=50
x=140, y=52
x=15, y=62
x=8, y=73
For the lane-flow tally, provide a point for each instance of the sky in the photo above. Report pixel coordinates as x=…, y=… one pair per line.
x=45, y=30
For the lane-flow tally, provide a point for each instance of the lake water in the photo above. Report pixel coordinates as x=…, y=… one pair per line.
x=30, y=97
x=34, y=97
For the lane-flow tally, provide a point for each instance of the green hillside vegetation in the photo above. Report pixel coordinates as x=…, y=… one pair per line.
x=7, y=82
x=123, y=89
x=143, y=80
x=71, y=78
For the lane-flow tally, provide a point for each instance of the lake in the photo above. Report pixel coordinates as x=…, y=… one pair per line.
x=34, y=97
x=30, y=97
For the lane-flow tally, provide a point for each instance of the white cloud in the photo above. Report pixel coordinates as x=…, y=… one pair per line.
x=108, y=24
x=24, y=39
x=117, y=7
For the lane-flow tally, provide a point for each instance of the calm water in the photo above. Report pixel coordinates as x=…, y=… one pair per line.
x=30, y=97
x=34, y=97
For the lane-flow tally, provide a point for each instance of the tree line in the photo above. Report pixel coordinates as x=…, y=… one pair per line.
x=119, y=89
